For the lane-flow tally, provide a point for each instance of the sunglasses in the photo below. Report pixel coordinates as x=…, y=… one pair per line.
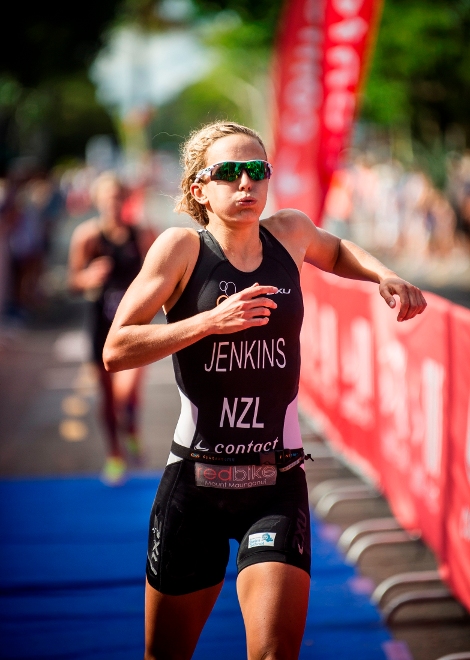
x=231, y=170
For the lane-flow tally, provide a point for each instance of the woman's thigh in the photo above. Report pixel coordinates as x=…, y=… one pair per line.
x=274, y=599
x=173, y=624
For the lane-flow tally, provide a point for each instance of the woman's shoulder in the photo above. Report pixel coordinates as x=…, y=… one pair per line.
x=175, y=247
x=289, y=226
x=293, y=229
x=286, y=220
x=87, y=232
x=178, y=237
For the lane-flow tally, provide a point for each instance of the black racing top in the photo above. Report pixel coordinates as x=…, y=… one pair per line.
x=127, y=262
x=239, y=390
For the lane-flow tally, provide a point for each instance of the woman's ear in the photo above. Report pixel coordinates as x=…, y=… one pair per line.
x=197, y=191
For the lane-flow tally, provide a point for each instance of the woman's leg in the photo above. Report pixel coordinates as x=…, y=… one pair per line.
x=274, y=599
x=173, y=624
x=126, y=388
x=108, y=411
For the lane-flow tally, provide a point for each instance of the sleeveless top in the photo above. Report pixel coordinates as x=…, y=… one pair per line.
x=239, y=390
x=127, y=262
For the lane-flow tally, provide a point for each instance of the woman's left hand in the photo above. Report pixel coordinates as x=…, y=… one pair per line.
x=412, y=301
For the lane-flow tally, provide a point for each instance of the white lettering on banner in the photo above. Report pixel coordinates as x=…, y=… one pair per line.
x=328, y=354
x=351, y=29
x=348, y=7
x=394, y=404
x=230, y=413
x=310, y=337
x=259, y=354
x=292, y=182
x=357, y=372
x=467, y=444
x=433, y=402
x=347, y=62
x=341, y=81
x=339, y=110
x=300, y=101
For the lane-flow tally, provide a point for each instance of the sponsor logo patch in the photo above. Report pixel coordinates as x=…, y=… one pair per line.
x=234, y=477
x=261, y=539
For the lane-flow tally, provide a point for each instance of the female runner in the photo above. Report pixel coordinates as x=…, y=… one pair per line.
x=234, y=309
x=105, y=256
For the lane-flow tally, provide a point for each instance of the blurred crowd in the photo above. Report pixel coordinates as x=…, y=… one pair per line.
x=399, y=213
x=387, y=209
x=36, y=206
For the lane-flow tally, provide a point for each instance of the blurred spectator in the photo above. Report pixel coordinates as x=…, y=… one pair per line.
x=106, y=255
x=30, y=209
x=400, y=213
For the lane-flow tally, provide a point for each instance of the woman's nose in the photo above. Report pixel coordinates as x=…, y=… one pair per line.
x=245, y=181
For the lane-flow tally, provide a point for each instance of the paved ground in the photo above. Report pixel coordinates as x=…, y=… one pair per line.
x=49, y=406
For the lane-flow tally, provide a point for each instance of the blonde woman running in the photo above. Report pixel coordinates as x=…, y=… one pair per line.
x=233, y=302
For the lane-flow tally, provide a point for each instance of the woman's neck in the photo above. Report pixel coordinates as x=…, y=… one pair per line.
x=242, y=246
x=112, y=228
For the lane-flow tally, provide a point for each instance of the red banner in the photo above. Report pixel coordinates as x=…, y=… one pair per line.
x=380, y=390
x=319, y=65
x=413, y=373
x=338, y=382
x=458, y=505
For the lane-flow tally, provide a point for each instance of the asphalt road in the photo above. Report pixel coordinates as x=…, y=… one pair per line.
x=49, y=405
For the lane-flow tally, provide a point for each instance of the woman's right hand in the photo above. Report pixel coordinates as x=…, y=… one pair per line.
x=245, y=309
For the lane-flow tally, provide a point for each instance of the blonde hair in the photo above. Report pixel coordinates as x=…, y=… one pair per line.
x=193, y=159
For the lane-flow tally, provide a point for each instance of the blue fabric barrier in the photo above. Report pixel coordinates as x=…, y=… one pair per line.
x=72, y=560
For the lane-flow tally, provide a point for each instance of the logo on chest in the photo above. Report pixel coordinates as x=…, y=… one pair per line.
x=228, y=289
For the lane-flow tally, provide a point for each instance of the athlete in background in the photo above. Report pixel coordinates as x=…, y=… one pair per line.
x=231, y=293
x=105, y=256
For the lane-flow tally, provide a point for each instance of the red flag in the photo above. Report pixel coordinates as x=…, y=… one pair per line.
x=319, y=65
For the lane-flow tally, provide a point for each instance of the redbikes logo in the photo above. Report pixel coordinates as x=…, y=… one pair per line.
x=235, y=477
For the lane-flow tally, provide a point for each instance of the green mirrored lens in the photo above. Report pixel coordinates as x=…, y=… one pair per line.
x=256, y=170
x=231, y=170
x=228, y=171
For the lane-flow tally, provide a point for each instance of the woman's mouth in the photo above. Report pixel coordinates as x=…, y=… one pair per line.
x=247, y=201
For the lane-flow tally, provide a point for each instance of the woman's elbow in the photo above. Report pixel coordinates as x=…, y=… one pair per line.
x=111, y=359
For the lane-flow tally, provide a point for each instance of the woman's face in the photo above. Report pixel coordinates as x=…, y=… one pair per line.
x=242, y=200
x=109, y=198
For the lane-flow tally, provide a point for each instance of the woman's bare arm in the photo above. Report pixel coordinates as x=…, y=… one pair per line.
x=134, y=342
x=306, y=242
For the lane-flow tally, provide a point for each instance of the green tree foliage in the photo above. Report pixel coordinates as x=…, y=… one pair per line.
x=41, y=40
x=420, y=75
x=47, y=105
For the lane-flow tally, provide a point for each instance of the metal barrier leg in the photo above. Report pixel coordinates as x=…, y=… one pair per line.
x=381, y=538
x=401, y=579
x=417, y=598
x=330, y=485
x=345, y=494
x=353, y=532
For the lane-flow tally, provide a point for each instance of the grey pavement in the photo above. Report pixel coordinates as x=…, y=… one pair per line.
x=49, y=405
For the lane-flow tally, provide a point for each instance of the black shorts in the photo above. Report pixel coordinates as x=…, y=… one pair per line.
x=190, y=528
